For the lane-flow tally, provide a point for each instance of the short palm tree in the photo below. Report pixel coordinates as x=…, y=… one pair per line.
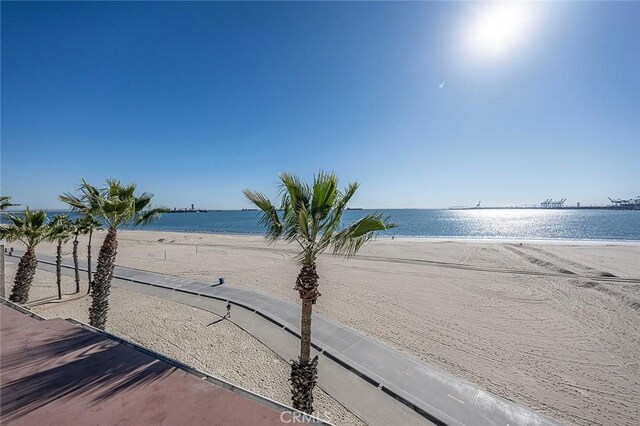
x=81, y=205
x=30, y=228
x=117, y=205
x=311, y=216
x=60, y=231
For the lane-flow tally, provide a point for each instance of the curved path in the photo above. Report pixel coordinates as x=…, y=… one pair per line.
x=387, y=387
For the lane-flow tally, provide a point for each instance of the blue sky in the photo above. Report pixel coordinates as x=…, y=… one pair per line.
x=196, y=101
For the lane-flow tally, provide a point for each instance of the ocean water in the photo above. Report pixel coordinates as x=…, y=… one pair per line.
x=489, y=223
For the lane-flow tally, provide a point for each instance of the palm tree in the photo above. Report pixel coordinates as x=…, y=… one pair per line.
x=311, y=216
x=5, y=203
x=81, y=226
x=117, y=205
x=60, y=231
x=77, y=228
x=30, y=229
x=92, y=225
x=81, y=205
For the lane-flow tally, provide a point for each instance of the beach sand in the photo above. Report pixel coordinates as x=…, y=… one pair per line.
x=543, y=324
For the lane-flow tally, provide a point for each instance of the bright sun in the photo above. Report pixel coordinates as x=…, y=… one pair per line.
x=499, y=28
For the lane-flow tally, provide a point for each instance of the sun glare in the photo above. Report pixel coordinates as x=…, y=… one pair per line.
x=499, y=28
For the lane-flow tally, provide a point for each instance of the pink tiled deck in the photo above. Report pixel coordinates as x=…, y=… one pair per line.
x=56, y=373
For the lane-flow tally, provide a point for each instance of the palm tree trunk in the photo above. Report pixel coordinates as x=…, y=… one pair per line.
x=89, y=261
x=304, y=372
x=59, y=269
x=102, y=281
x=76, y=266
x=24, y=277
x=305, y=331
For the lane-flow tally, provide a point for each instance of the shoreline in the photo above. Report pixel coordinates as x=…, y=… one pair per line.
x=414, y=238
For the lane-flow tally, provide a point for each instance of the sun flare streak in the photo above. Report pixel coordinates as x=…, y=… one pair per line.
x=499, y=28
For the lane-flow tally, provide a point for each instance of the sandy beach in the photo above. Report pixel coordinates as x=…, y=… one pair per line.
x=555, y=327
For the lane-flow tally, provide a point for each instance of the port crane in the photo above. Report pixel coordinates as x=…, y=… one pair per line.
x=631, y=203
x=552, y=204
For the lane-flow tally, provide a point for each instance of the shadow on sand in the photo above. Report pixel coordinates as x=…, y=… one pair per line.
x=217, y=321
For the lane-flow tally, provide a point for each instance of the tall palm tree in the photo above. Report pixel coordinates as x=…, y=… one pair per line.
x=30, y=228
x=60, y=231
x=311, y=216
x=77, y=228
x=81, y=226
x=82, y=206
x=117, y=205
x=92, y=225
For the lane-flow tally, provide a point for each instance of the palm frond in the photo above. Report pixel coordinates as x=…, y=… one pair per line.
x=127, y=191
x=38, y=218
x=74, y=202
x=88, y=189
x=143, y=200
x=303, y=224
x=15, y=220
x=60, y=229
x=12, y=233
x=333, y=221
x=269, y=217
x=5, y=203
x=350, y=239
x=93, y=224
x=324, y=195
x=113, y=187
x=30, y=227
x=87, y=203
x=299, y=192
x=148, y=216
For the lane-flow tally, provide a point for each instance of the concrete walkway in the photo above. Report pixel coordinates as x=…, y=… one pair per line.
x=404, y=390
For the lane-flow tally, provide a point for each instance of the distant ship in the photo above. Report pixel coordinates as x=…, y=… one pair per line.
x=249, y=210
x=354, y=208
